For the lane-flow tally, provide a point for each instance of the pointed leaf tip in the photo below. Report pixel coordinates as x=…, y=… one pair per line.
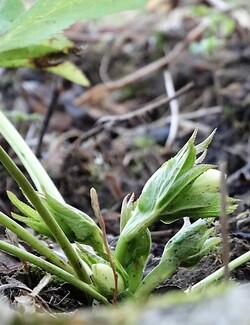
x=201, y=147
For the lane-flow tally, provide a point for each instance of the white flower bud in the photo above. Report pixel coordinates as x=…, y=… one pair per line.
x=209, y=181
x=103, y=277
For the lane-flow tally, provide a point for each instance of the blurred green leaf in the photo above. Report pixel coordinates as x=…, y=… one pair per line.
x=228, y=25
x=70, y=72
x=9, y=11
x=25, y=55
x=47, y=17
x=206, y=45
x=49, y=55
x=200, y=10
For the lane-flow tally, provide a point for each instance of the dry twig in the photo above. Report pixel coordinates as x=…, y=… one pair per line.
x=147, y=108
x=174, y=108
x=96, y=208
x=144, y=71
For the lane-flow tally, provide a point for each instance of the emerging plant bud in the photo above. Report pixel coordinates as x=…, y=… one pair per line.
x=103, y=278
x=208, y=182
x=190, y=244
x=185, y=248
x=179, y=188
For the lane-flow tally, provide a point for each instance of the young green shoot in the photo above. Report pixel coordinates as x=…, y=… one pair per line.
x=182, y=187
x=52, y=269
x=45, y=214
x=33, y=166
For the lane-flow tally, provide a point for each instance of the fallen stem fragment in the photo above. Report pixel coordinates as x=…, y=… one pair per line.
x=174, y=108
x=147, y=108
x=148, y=69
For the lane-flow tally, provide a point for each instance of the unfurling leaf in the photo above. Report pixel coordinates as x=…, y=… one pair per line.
x=190, y=243
x=179, y=188
x=185, y=248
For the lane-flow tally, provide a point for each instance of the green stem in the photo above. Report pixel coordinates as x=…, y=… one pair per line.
x=220, y=272
x=46, y=215
x=34, y=243
x=52, y=269
x=159, y=274
x=130, y=232
x=121, y=249
x=36, y=171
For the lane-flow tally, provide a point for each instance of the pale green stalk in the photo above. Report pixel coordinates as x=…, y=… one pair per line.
x=52, y=269
x=74, y=260
x=127, y=236
x=220, y=272
x=34, y=242
x=159, y=274
x=33, y=166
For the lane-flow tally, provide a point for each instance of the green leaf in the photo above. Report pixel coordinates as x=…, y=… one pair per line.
x=188, y=241
x=202, y=146
x=163, y=179
x=9, y=11
x=47, y=17
x=181, y=187
x=126, y=211
x=133, y=258
x=77, y=226
x=70, y=72
x=37, y=225
x=88, y=255
x=26, y=55
x=185, y=248
x=167, y=182
x=209, y=245
x=197, y=205
x=49, y=55
x=83, y=229
x=132, y=254
x=30, y=216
